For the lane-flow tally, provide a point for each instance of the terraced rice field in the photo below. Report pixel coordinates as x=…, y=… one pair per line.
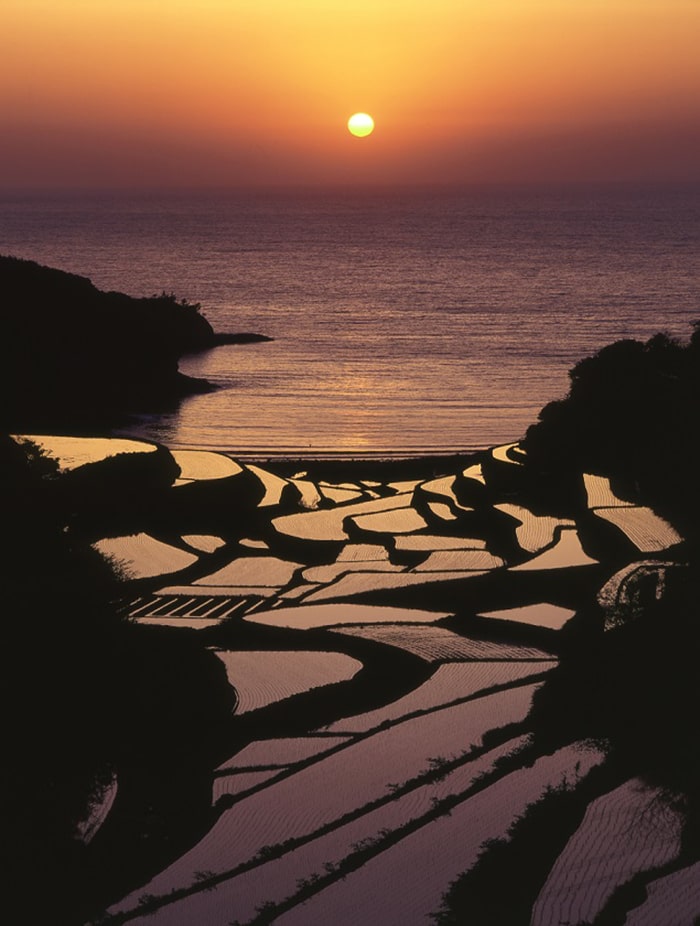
x=679, y=892
x=443, y=490
x=474, y=472
x=299, y=809
x=459, y=561
x=427, y=543
x=192, y=623
x=567, y=552
x=141, y=556
x=306, y=617
x=358, y=583
x=647, y=531
x=405, y=883
x=284, y=751
x=339, y=495
x=206, y=543
x=205, y=464
x=281, y=879
x=263, y=677
x=362, y=553
x=269, y=571
x=533, y=532
x=336, y=787
x=406, y=485
x=395, y=521
x=327, y=525
x=184, y=608
x=538, y=615
x=450, y=682
x=274, y=486
x=504, y=454
x=438, y=644
x=599, y=492
x=73, y=452
x=629, y=830
x=310, y=497
x=440, y=511
x=239, y=782
x=328, y=574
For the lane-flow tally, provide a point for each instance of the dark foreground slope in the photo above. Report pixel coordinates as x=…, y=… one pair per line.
x=74, y=356
x=85, y=696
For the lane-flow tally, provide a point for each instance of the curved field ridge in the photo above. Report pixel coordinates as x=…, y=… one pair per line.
x=679, y=892
x=629, y=830
x=283, y=751
x=405, y=883
x=438, y=644
x=234, y=783
x=265, y=677
x=306, y=616
x=334, y=786
x=72, y=452
x=142, y=556
x=449, y=682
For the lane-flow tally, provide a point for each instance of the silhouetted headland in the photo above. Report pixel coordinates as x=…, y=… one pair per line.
x=74, y=356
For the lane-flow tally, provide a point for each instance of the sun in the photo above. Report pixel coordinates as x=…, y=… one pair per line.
x=361, y=124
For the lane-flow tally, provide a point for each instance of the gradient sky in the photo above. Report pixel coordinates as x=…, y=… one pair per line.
x=167, y=93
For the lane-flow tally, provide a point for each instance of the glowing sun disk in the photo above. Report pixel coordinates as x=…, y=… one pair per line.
x=360, y=124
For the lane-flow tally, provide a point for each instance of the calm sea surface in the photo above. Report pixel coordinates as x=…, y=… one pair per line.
x=402, y=323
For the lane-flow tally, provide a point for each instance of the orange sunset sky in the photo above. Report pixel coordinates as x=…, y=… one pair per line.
x=154, y=93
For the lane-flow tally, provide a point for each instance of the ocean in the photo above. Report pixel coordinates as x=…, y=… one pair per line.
x=403, y=322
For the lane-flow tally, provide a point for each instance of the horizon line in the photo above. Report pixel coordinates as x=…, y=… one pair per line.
x=349, y=188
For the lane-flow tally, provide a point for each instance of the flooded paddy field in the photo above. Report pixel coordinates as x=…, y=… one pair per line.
x=390, y=646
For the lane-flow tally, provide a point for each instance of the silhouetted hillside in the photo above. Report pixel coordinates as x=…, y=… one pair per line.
x=73, y=355
x=632, y=413
x=86, y=696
